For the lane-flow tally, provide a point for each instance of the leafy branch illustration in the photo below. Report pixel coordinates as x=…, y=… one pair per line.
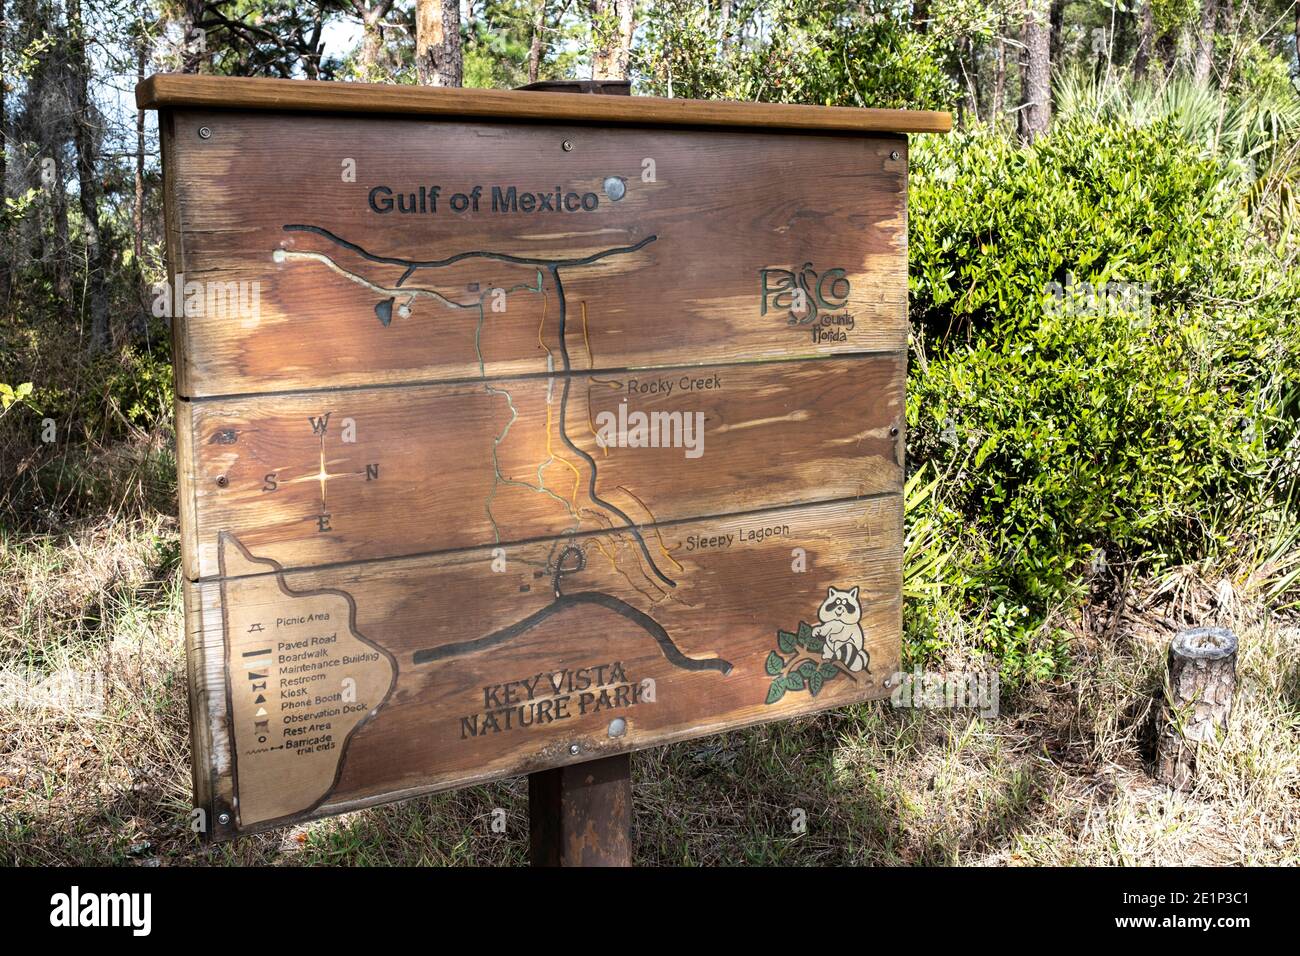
x=798, y=672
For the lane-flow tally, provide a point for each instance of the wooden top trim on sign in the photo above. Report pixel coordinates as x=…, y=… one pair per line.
x=169, y=90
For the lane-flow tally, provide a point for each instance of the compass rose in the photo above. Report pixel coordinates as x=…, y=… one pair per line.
x=322, y=476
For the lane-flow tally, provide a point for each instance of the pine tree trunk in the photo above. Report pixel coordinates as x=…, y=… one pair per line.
x=55, y=249
x=372, y=49
x=452, y=69
x=1204, y=61
x=626, y=26
x=192, y=48
x=41, y=131
x=373, y=60
x=602, y=48
x=1035, y=83
x=612, y=24
x=137, y=208
x=1056, y=19
x=437, y=42
x=86, y=142
x=428, y=41
x=1146, y=40
x=1198, y=702
x=535, y=45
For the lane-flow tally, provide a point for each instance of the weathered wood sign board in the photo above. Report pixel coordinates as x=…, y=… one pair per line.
x=516, y=430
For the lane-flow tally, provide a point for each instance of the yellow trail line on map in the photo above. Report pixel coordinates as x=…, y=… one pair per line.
x=654, y=523
x=550, y=455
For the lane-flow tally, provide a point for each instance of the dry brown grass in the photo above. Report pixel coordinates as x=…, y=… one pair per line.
x=1059, y=777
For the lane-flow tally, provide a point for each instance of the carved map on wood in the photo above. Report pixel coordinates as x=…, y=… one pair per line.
x=504, y=446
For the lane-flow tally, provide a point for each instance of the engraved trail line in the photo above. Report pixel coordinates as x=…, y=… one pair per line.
x=544, y=265
x=551, y=265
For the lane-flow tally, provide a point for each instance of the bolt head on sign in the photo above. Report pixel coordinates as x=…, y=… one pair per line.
x=615, y=188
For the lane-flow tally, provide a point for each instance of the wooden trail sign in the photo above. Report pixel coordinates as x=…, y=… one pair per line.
x=520, y=429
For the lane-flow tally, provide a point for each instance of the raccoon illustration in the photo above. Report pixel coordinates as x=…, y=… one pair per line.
x=840, y=631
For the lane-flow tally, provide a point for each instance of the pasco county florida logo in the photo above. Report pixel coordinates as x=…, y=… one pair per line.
x=808, y=299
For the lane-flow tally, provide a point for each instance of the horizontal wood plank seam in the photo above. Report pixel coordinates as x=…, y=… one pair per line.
x=534, y=376
x=523, y=542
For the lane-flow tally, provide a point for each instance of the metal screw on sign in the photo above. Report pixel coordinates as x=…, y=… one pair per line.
x=894, y=155
x=222, y=481
x=568, y=145
x=224, y=819
x=575, y=749
x=205, y=132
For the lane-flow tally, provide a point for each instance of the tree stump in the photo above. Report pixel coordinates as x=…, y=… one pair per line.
x=1198, y=700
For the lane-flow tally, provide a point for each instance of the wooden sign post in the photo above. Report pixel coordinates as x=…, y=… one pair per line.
x=517, y=430
x=582, y=815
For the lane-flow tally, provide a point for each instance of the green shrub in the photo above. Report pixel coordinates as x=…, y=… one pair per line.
x=59, y=454
x=1070, y=430
x=827, y=52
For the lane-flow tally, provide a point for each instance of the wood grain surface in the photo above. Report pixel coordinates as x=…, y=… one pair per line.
x=171, y=90
x=324, y=477
x=464, y=673
x=302, y=284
